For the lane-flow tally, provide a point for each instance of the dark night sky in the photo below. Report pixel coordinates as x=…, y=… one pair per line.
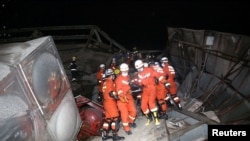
x=131, y=23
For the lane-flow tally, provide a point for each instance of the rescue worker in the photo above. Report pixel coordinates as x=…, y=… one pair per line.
x=73, y=68
x=112, y=115
x=161, y=91
x=114, y=67
x=99, y=76
x=147, y=79
x=170, y=75
x=126, y=103
x=113, y=64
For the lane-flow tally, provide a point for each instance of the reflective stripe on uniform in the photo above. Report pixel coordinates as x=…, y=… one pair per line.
x=160, y=70
x=162, y=77
x=125, y=123
x=133, y=118
x=140, y=76
x=154, y=109
x=120, y=91
x=125, y=82
x=105, y=125
x=145, y=76
x=147, y=111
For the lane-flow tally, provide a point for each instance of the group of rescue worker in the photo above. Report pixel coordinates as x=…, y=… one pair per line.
x=156, y=84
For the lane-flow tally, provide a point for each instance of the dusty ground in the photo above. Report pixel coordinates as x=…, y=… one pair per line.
x=142, y=132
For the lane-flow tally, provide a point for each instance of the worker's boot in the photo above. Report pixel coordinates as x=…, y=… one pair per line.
x=132, y=125
x=149, y=119
x=105, y=135
x=163, y=115
x=156, y=118
x=117, y=138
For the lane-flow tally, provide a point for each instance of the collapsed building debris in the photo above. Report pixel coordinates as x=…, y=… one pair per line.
x=212, y=75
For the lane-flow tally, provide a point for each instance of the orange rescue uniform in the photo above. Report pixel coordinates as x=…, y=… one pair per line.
x=161, y=89
x=110, y=105
x=126, y=103
x=170, y=73
x=148, y=96
x=99, y=76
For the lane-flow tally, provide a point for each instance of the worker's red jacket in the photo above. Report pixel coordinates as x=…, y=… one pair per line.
x=170, y=73
x=148, y=75
x=122, y=87
x=109, y=103
x=99, y=77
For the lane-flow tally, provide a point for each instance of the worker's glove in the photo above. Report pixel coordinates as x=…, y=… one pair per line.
x=177, y=102
x=167, y=85
x=113, y=95
x=169, y=98
x=176, y=99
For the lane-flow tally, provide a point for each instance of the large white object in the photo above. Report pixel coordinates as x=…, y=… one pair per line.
x=36, y=101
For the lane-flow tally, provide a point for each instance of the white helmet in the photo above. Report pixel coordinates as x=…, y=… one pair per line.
x=157, y=64
x=109, y=72
x=145, y=64
x=138, y=64
x=164, y=59
x=124, y=67
x=102, y=66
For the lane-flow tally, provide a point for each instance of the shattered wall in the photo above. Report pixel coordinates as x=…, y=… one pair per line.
x=213, y=67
